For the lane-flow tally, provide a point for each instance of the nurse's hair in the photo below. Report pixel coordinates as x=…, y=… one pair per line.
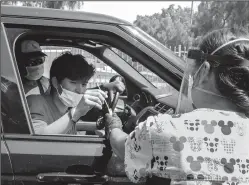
x=232, y=80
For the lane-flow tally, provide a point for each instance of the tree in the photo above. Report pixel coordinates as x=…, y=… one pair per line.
x=171, y=27
x=71, y=5
x=219, y=14
x=9, y=2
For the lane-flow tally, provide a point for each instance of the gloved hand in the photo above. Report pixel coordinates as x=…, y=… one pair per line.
x=112, y=122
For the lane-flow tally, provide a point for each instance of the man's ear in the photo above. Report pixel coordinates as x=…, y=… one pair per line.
x=56, y=85
x=204, y=72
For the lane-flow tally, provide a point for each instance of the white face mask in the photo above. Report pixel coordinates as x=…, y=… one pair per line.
x=69, y=98
x=35, y=72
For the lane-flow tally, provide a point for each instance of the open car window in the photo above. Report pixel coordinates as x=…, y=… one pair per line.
x=102, y=75
x=93, y=46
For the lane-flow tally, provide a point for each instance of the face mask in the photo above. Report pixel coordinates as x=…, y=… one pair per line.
x=69, y=98
x=192, y=87
x=35, y=72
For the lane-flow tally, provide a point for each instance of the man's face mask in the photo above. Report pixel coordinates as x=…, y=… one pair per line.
x=35, y=68
x=69, y=98
x=35, y=72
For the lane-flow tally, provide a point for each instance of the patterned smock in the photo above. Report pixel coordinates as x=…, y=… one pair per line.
x=205, y=146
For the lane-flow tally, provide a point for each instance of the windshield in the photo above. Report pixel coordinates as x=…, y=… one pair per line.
x=155, y=45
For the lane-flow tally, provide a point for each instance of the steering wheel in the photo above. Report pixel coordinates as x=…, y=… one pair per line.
x=109, y=105
x=100, y=122
x=114, y=102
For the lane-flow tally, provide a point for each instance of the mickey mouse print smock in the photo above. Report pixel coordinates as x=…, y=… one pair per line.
x=205, y=146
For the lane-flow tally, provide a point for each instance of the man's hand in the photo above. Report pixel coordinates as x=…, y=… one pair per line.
x=116, y=86
x=92, y=98
x=112, y=122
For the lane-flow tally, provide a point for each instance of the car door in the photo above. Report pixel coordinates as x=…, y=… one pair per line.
x=40, y=158
x=7, y=175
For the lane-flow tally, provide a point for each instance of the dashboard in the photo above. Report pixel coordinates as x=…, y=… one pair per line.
x=161, y=101
x=144, y=104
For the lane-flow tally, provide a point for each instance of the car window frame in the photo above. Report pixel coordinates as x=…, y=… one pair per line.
x=59, y=24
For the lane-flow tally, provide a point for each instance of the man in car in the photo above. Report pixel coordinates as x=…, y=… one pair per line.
x=31, y=66
x=68, y=100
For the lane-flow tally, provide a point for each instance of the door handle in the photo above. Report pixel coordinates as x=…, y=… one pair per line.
x=65, y=178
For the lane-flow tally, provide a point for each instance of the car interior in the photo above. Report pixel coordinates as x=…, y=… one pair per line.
x=141, y=97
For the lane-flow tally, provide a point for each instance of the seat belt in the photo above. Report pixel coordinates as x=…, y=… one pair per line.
x=40, y=87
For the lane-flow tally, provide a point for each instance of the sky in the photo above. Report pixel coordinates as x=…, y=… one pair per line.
x=128, y=10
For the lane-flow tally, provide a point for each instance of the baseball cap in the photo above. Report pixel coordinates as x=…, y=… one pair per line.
x=31, y=48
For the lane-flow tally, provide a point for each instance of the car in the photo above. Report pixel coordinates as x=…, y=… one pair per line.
x=28, y=158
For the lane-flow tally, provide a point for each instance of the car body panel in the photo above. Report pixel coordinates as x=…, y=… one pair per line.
x=7, y=175
x=51, y=154
x=37, y=13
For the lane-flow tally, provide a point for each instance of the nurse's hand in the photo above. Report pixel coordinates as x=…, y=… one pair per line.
x=112, y=122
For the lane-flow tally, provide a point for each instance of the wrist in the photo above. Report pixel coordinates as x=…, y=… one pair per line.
x=111, y=131
x=78, y=112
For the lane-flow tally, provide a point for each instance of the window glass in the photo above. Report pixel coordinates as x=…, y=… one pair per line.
x=156, y=45
x=145, y=72
x=12, y=112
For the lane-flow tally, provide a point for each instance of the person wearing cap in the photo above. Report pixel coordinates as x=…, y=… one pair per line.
x=31, y=66
x=206, y=141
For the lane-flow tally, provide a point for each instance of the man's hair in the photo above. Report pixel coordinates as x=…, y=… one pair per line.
x=73, y=67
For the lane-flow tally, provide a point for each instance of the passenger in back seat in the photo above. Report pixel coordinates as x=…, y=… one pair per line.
x=31, y=66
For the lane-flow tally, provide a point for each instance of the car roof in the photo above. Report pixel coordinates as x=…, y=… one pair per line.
x=45, y=13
